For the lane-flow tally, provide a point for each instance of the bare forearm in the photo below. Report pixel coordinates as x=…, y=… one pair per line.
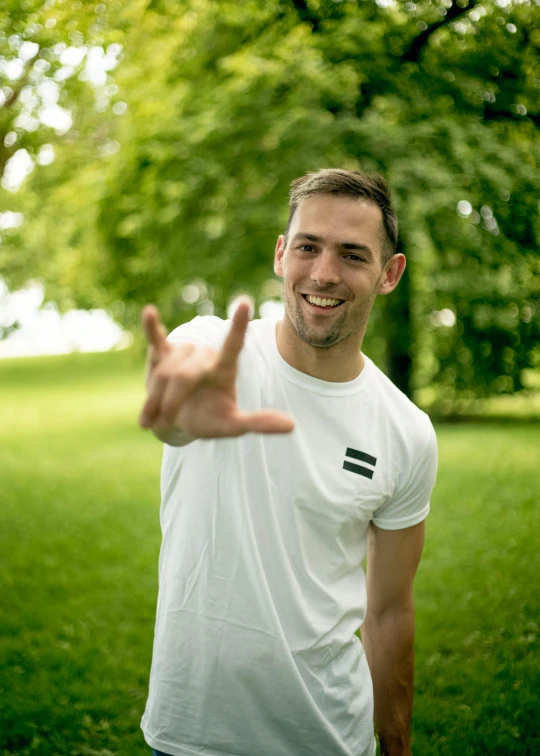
x=389, y=644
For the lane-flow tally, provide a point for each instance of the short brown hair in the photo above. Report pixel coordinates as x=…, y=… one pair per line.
x=372, y=187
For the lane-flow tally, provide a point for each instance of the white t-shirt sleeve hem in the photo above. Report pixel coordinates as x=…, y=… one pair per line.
x=403, y=522
x=410, y=504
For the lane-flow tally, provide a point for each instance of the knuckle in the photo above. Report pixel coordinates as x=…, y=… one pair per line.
x=181, y=351
x=162, y=371
x=189, y=349
x=180, y=378
x=170, y=371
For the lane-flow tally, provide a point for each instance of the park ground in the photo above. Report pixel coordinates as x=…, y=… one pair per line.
x=79, y=539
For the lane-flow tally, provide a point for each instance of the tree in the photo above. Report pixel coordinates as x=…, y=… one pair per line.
x=57, y=99
x=243, y=97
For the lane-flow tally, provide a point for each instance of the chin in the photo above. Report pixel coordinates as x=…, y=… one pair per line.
x=323, y=340
x=318, y=338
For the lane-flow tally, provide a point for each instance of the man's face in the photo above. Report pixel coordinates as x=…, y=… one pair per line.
x=333, y=252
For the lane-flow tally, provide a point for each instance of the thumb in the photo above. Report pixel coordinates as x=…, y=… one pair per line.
x=266, y=421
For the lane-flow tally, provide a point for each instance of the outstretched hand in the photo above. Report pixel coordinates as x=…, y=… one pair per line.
x=192, y=388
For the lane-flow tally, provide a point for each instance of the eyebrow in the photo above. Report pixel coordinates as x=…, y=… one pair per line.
x=354, y=246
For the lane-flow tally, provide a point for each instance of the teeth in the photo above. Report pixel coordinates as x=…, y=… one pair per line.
x=323, y=302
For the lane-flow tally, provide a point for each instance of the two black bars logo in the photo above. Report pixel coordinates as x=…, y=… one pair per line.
x=360, y=469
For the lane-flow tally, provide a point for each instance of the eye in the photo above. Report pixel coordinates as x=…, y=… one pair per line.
x=355, y=258
x=306, y=248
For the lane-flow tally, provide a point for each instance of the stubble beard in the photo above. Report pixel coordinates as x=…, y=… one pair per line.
x=335, y=332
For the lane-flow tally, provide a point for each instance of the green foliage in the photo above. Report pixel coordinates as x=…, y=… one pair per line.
x=79, y=536
x=60, y=44
x=476, y=620
x=228, y=102
x=283, y=89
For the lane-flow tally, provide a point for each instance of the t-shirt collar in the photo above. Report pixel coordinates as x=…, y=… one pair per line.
x=308, y=382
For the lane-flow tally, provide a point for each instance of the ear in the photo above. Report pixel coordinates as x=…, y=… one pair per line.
x=278, y=256
x=392, y=273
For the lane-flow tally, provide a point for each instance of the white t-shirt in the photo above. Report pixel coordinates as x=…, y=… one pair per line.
x=261, y=585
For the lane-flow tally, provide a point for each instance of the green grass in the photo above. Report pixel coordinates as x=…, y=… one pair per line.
x=79, y=539
x=478, y=604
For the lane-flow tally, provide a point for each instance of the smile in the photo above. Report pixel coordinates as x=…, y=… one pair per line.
x=322, y=302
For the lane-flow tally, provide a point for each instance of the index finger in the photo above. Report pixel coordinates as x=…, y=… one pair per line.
x=155, y=333
x=235, y=338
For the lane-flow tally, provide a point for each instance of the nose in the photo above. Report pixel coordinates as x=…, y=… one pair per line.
x=325, y=269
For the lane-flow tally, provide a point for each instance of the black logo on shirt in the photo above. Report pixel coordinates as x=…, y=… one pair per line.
x=360, y=469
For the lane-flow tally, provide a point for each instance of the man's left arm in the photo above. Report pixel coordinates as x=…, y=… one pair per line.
x=388, y=631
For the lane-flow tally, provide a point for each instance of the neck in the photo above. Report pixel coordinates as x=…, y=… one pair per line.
x=337, y=364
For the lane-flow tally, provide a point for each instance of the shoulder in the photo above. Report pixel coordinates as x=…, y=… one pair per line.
x=409, y=437
x=209, y=330
x=410, y=426
x=206, y=330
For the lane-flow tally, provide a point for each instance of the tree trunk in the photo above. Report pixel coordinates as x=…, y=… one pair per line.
x=399, y=332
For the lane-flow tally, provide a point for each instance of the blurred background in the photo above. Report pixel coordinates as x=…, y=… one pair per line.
x=146, y=150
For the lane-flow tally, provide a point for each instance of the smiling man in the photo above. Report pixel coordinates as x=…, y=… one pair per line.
x=289, y=456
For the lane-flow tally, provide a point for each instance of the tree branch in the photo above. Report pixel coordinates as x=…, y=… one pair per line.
x=412, y=54
x=491, y=114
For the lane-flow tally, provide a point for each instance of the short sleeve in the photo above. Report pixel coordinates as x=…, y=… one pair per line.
x=205, y=330
x=410, y=504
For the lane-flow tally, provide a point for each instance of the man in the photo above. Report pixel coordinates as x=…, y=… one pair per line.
x=289, y=456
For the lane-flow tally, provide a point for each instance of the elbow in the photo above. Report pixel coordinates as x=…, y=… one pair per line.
x=401, y=612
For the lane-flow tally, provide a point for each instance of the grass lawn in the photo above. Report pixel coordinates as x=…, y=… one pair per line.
x=79, y=539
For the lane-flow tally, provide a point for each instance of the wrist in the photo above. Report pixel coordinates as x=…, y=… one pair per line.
x=173, y=436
